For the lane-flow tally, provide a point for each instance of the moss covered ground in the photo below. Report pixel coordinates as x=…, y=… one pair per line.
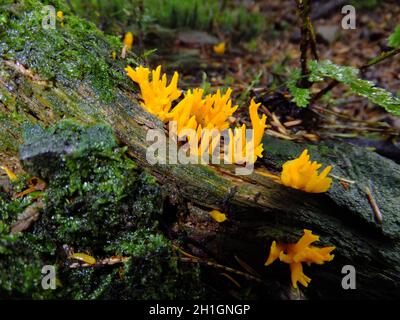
x=96, y=202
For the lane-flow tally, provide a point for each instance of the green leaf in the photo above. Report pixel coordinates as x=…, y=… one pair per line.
x=349, y=77
x=149, y=53
x=301, y=96
x=394, y=39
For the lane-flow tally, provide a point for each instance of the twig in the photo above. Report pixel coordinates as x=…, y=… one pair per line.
x=220, y=266
x=380, y=58
x=313, y=37
x=231, y=279
x=304, y=9
x=342, y=179
x=374, y=205
x=107, y=261
x=324, y=91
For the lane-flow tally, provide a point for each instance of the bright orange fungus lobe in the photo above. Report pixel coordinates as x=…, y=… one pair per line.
x=303, y=174
x=295, y=254
x=128, y=40
x=219, y=48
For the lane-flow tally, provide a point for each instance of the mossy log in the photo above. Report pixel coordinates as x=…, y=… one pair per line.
x=68, y=72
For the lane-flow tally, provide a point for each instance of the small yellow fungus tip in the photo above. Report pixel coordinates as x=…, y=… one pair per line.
x=60, y=15
x=219, y=48
x=11, y=175
x=295, y=254
x=218, y=216
x=128, y=40
x=303, y=174
x=83, y=257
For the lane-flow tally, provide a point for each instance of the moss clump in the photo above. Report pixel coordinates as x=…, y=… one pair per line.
x=97, y=201
x=21, y=258
x=10, y=207
x=94, y=191
x=73, y=52
x=10, y=128
x=152, y=272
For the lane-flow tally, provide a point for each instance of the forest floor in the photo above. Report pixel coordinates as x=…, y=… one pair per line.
x=260, y=66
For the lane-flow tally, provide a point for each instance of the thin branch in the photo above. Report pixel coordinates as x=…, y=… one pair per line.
x=372, y=62
x=374, y=205
x=313, y=38
x=221, y=267
x=380, y=58
x=304, y=9
x=324, y=91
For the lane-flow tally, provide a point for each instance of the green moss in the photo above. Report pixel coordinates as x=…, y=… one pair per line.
x=21, y=260
x=10, y=130
x=22, y=277
x=154, y=270
x=96, y=201
x=74, y=52
x=93, y=190
x=10, y=207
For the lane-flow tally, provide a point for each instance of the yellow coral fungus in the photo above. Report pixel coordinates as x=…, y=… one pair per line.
x=248, y=150
x=218, y=216
x=156, y=94
x=217, y=109
x=259, y=126
x=303, y=174
x=211, y=112
x=60, y=16
x=128, y=40
x=206, y=116
x=219, y=48
x=184, y=112
x=11, y=175
x=295, y=254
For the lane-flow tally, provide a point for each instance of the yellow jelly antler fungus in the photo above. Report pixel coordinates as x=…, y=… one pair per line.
x=11, y=175
x=219, y=48
x=211, y=112
x=128, y=40
x=295, y=254
x=241, y=149
x=198, y=113
x=60, y=16
x=128, y=43
x=218, y=216
x=156, y=94
x=303, y=174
